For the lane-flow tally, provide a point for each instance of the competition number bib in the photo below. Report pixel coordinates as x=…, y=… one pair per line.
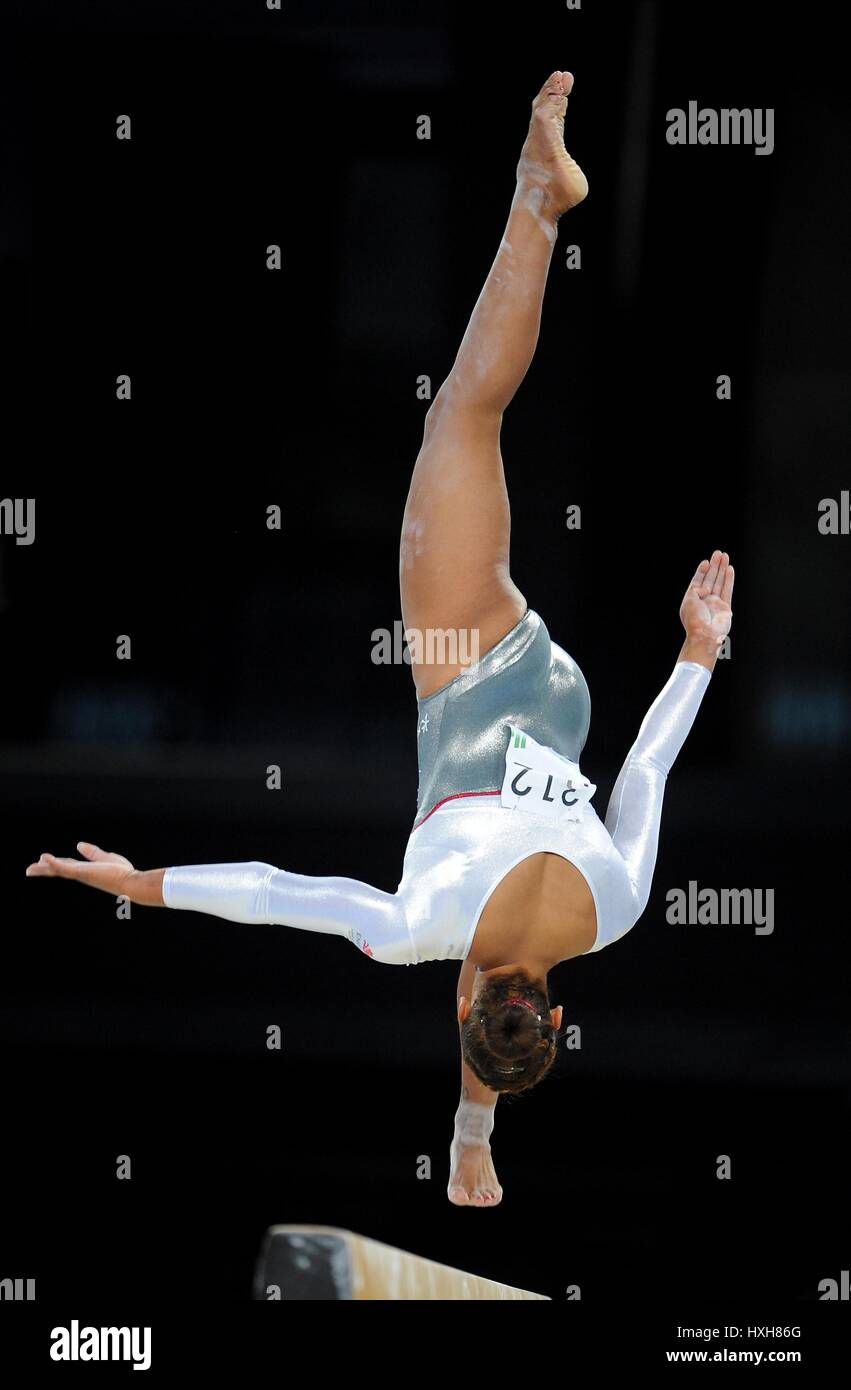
x=541, y=780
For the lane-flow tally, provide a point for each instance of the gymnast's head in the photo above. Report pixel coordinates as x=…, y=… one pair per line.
x=509, y=1032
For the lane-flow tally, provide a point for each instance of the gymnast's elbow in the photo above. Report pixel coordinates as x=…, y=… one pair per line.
x=639, y=914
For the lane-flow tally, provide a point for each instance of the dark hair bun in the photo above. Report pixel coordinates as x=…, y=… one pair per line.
x=513, y=1032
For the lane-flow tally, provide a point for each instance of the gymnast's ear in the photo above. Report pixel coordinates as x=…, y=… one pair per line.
x=463, y=1009
x=555, y=1015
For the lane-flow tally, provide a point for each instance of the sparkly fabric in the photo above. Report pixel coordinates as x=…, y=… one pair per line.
x=457, y=855
x=462, y=729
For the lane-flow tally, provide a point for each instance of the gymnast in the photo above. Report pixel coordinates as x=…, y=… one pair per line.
x=508, y=868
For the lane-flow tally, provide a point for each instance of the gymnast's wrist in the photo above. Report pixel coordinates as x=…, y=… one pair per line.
x=146, y=887
x=701, y=649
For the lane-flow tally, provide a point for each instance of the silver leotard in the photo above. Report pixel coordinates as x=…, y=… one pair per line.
x=462, y=729
x=471, y=827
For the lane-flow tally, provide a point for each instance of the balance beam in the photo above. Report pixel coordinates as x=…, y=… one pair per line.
x=322, y=1262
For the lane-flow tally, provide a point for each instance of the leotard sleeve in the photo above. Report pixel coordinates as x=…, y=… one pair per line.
x=635, y=808
x=254, y=892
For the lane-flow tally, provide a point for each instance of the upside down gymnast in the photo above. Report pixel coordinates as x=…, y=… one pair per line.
x=508, y=867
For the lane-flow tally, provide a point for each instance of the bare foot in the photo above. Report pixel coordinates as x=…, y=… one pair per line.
x=548, y=180
x=472, y=1176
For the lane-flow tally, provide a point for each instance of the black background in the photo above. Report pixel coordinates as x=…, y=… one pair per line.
x=250, y=647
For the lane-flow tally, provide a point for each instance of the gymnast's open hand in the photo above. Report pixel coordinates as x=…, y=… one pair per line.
x=705, y=611
x=99, y=869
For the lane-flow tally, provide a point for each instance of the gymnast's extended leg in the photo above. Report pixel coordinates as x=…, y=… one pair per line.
x=454, y=554
x=454, y=571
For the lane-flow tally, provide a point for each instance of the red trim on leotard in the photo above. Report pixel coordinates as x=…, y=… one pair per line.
x=453, y=797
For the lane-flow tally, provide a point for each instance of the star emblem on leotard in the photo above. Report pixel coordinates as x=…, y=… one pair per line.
x=422, y=727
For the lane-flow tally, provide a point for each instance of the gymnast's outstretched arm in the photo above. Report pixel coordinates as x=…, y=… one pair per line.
x=251, y=892
x=635, y=808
